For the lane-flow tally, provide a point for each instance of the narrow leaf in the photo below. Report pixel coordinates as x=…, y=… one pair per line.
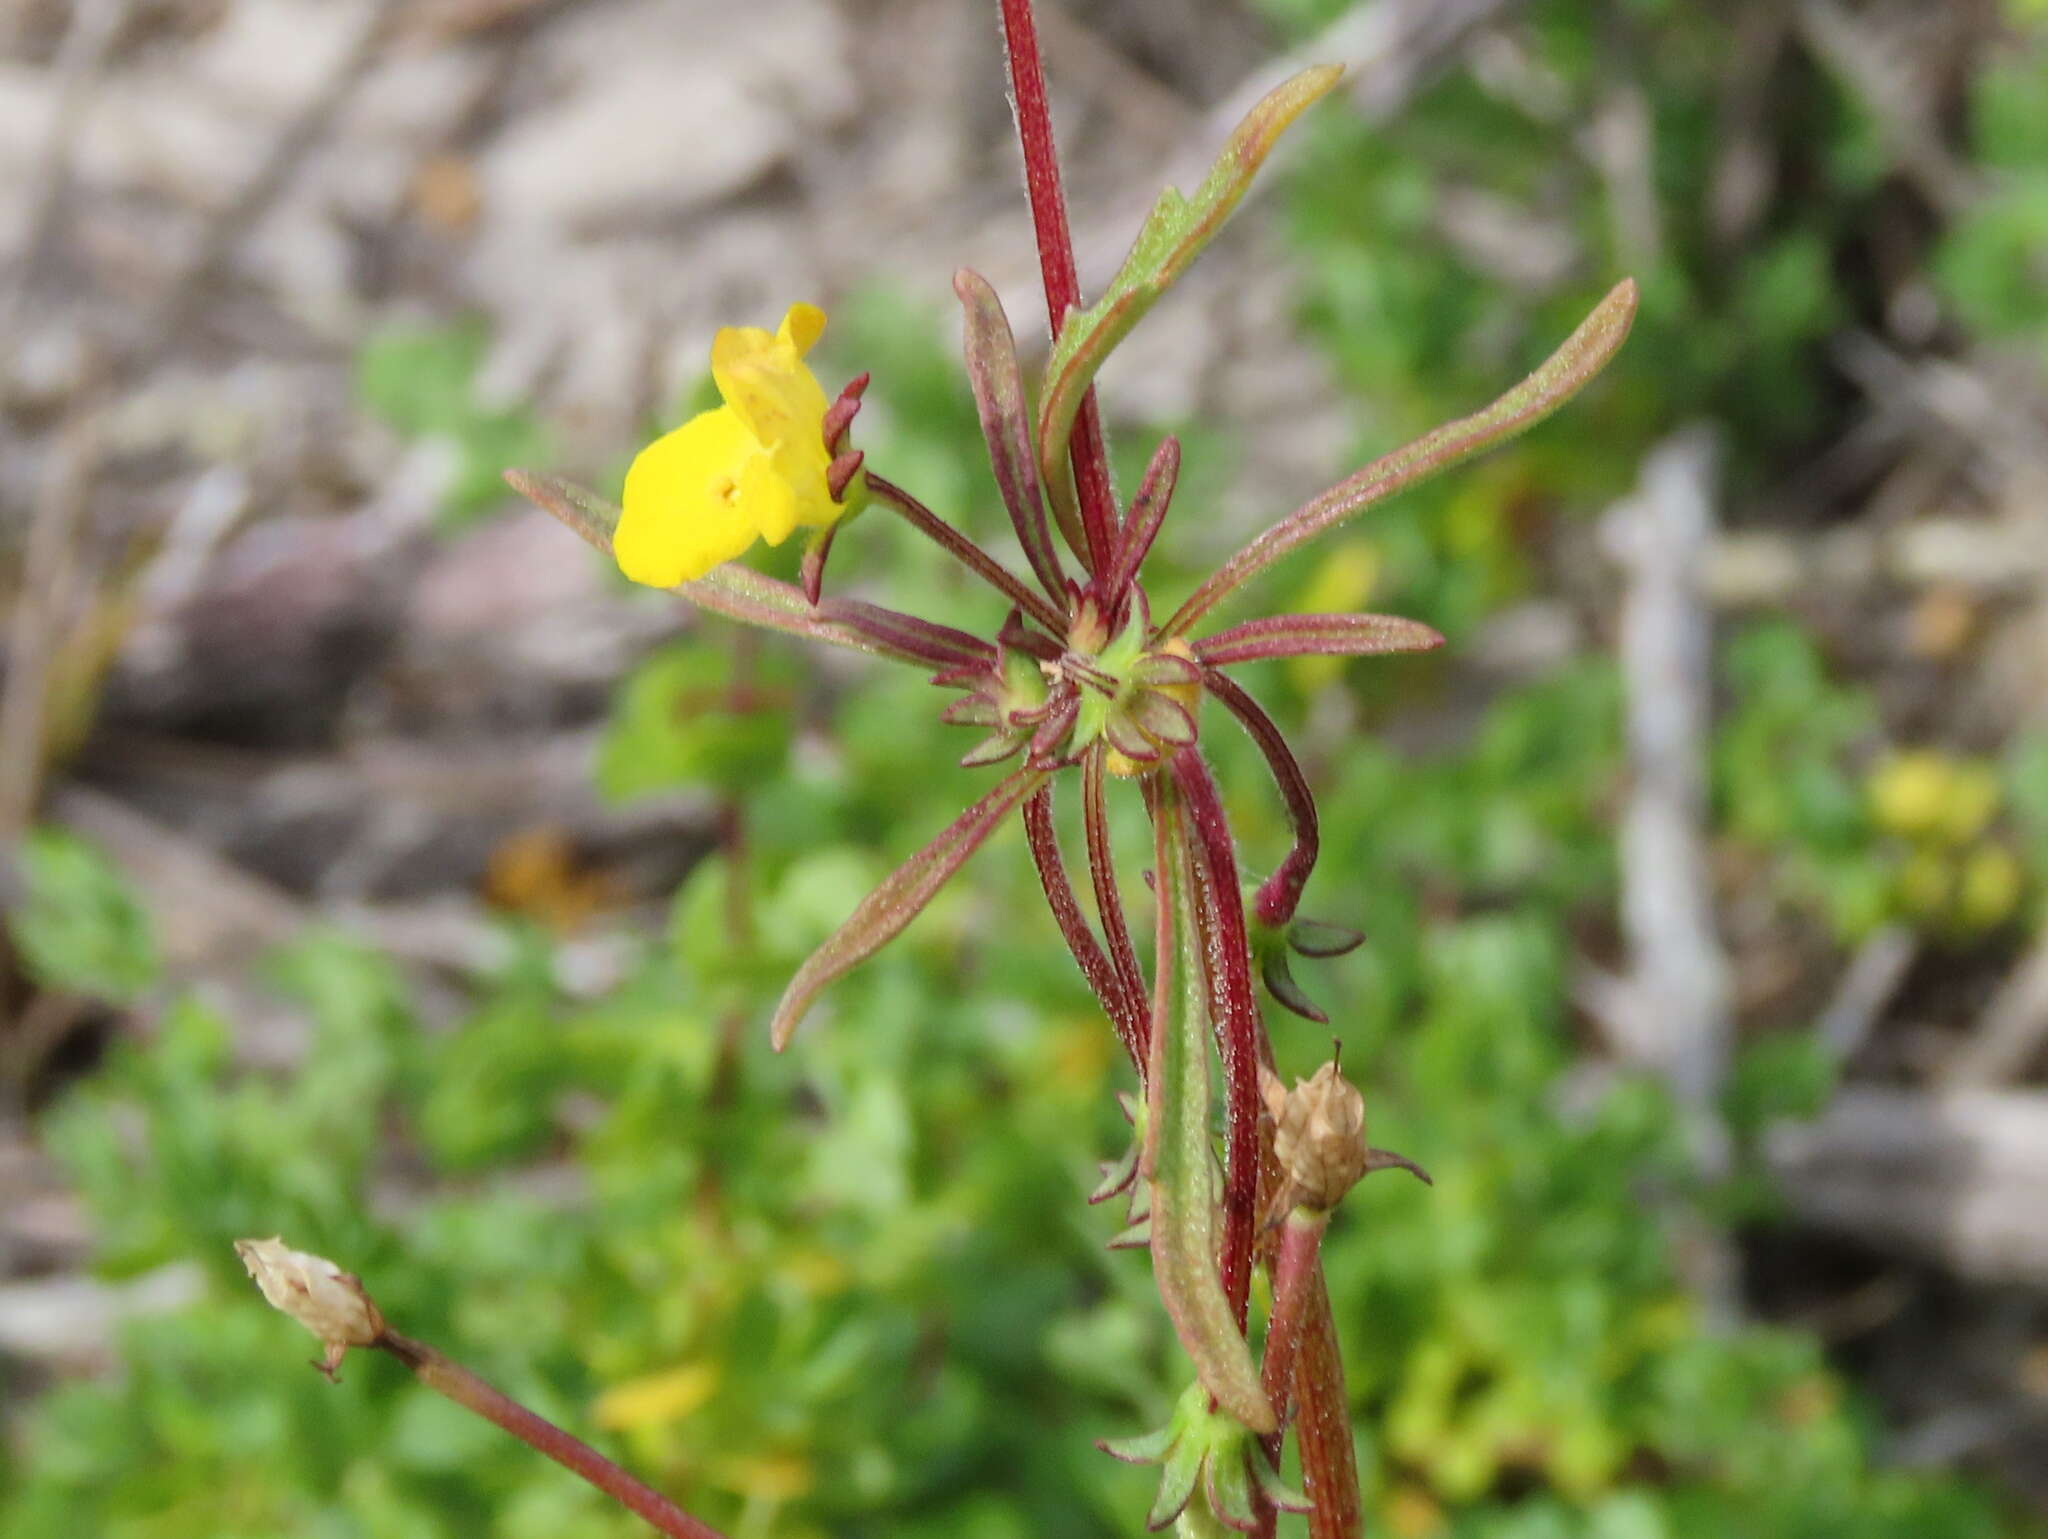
x=1228, y=1485
x=1278, y=977
x=1176, y=1482
x=1320, y=938
x=1109, y=902
x=940, y=646
x=1281, y=892
x=1172, y=236
x=998, y=385
x=885, y=911
x=737, y=592
x=1178, y=1157
x=1316, y=636
x=1145, y=1448
x=1567, y=371
x=1148, y=511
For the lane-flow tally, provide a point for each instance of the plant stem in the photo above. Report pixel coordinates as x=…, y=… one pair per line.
x=1116, y=930
x=968, y=554
x=1294, y=1280
x=1322, y=1421
x=1124, y=1006
x=1056, y=261
x=447, y=1377
x=1226, y=952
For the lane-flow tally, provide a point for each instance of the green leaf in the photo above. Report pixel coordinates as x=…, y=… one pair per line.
x=79, y=927
x=683, y=719
x=1172, y=236
x=1179, y=1165
x=419, y=380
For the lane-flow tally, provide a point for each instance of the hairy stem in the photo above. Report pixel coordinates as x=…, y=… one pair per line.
x=1056, y=261
x=1109, y=902
x=447, y=1377
x=1295, y=1279
x=968, y=554
x=1124, y=1004
x=1322, y=1422
x=1226, y=952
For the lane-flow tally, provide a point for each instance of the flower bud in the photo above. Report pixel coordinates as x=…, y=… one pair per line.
x=315, y=1292
x=1318, y=1135
x=1319, y=1140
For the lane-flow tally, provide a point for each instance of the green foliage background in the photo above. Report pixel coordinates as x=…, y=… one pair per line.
x=854, y=1290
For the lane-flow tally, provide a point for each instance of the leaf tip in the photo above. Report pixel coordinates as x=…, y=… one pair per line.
x=1617, y=312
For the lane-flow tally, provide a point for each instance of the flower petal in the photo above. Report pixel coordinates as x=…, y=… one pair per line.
x=683, y=512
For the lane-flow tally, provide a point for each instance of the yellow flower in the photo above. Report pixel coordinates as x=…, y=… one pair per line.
x=751, y=469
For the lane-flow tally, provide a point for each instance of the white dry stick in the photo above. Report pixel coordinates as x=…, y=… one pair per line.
x=1959, y=1177
x=1679, y=1023
x=1865, y=988
x=2012, y=1030
x=1673, y=1014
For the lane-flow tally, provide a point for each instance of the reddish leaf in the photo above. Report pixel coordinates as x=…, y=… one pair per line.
x=1148, y=511
x=1124, y=1005
x=1316, y=636
x=884, y=912
x=1281, y=892
x=1567, y=371
x=998, y=385
x=737, y=592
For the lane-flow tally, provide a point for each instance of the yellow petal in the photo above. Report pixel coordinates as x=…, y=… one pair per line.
x=765, y=380
x=683, y=513
x=801, y=326
x=770, y=500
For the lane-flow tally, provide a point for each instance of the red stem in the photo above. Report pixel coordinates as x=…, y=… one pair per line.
x=450, y=1378
x=1109, y=901
x=1241, y=1034
x=1294, y=1280
x=1126, y=1008
x=1056, y=261
x=968, y=554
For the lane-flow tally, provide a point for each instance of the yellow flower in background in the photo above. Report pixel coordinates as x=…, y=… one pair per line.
x=1924, y=794
x=754, y=468
x=656, y=1399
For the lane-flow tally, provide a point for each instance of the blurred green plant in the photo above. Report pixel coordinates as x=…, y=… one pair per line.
x=421, y=382
x=78, y=928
